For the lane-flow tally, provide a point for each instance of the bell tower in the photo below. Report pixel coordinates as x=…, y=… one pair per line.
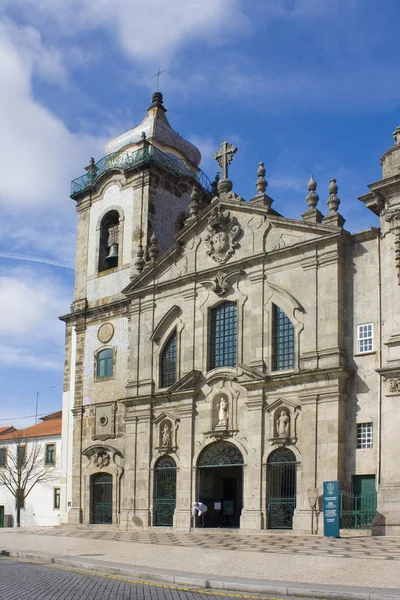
x=130, y=205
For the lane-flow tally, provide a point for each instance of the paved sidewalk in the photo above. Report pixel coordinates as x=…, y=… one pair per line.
x=363, y=568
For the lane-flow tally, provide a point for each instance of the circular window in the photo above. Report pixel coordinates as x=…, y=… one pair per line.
x=103, y=421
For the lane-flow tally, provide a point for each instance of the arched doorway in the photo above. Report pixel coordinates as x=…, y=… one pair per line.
x=220, y=484
x=281, y=488
x=101, y=505
x=164, y=491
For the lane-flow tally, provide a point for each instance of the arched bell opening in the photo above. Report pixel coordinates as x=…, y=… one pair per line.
x=220, y=484
x=109, y=241
x=281, y=488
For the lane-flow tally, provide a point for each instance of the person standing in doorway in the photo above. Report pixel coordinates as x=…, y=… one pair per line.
x=199, y=510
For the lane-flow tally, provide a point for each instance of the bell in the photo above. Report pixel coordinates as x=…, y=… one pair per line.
x=113, y=253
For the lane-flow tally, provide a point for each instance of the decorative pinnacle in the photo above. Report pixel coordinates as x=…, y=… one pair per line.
x=333, y=201
x=153, y=250
x=312, y=197
x=139, y=263
x=194, y=206
x=396, y=135
x=261, y=183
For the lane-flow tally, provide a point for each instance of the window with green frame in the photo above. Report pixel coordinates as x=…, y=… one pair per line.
x=56, y=503
x=105, y=364
x=50, y=454
x=21, y=456
x=283, y=341
x=168, y=362
x=223, y=335
x=3, y=457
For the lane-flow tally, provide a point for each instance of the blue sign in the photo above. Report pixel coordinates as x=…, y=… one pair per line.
x=331, y=509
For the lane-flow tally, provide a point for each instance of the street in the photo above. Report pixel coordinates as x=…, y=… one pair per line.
x=29, y=581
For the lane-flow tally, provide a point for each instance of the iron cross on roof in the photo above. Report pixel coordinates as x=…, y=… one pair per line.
x=158, y=77
x=224, y=157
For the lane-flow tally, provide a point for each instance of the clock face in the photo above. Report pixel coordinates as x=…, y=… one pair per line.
x=105, y=333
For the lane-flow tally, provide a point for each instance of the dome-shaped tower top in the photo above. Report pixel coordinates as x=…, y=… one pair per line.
x=159, y=132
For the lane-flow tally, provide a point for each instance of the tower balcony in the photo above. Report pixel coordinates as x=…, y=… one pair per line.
x=125, y=160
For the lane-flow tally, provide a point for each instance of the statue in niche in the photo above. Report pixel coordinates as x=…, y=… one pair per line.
x=166, y=435
x=283, y=425
x=223, y=413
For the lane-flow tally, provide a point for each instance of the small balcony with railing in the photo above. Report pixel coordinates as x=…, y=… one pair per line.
x=126, y=160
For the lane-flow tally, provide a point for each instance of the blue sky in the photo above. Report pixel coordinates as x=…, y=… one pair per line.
x=306, y=86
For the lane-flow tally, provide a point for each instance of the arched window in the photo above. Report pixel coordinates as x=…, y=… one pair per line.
x=283, y=341
x=168, y=362
x=105, y=364
x=109, y=241
x=223, y=335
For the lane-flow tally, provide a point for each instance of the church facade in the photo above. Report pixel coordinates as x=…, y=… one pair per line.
x=217, y=351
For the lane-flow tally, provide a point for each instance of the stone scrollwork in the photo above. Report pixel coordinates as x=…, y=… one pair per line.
x=101, y=459
x=394, y=385
x=222, y=282
x=222, y=236
x=393, y=218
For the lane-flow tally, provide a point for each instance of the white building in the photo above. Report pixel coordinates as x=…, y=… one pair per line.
x=41, y=445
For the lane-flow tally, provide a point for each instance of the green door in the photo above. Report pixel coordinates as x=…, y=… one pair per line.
x=281, y=488
x=102, y=499
x=1, y=516
x=164, y=491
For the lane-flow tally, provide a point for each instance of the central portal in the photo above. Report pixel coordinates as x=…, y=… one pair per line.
x=220, y=484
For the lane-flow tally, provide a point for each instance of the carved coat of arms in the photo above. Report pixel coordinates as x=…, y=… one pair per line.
x=222, y=235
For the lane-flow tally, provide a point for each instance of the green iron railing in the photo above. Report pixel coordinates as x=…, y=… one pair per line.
x=357, y=512
x=124, y=160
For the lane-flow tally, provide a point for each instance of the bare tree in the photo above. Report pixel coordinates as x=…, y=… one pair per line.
x=25, y=466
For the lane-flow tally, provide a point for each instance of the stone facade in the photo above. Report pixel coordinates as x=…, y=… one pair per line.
x=142, y=436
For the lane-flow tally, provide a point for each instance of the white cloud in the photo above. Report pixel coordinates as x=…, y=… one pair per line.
x=30, y=304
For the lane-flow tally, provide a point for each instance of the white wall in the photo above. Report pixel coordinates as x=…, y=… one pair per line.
x=39, y=505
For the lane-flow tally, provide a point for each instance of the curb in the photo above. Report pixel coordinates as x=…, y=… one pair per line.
x=195, y=580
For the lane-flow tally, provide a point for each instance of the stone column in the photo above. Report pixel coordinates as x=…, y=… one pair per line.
x=252, y=517
x=184, y=491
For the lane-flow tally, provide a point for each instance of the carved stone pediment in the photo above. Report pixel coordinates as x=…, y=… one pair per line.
x=102, y=457
x=223, y=232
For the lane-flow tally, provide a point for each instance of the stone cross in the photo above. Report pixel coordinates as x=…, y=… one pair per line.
x=224, y=157
x=396, y=135
x=158, y=77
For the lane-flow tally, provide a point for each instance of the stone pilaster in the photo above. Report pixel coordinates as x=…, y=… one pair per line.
x=252, y=515
x=184, y=491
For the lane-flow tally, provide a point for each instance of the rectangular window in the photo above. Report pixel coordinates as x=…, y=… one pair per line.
x=365, y=334
x=283, y=341
x=105, y=363
x=365, y=435
x=50, y=454
x=223, y=335
x=3, y=457
x=56, y=497
x=21, y=457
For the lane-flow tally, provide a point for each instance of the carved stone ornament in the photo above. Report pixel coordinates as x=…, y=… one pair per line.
x=222, y=235
x=393, y=218
x=101, y=459
x=105, y=333
x=394, y=385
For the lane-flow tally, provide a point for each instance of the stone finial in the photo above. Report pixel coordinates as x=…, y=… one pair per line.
x=214, y=184
x=153, y=250
x=157, y=101
x=396, y=135
x=312, y=196
x=333, y=201
x=194, y=206
x=334, y=218
x=261, y=183
x=90, y=165
x=139, y=263
x=312, y=215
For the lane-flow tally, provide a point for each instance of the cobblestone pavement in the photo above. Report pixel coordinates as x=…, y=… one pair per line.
x=381, y=548
x=27, y=581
